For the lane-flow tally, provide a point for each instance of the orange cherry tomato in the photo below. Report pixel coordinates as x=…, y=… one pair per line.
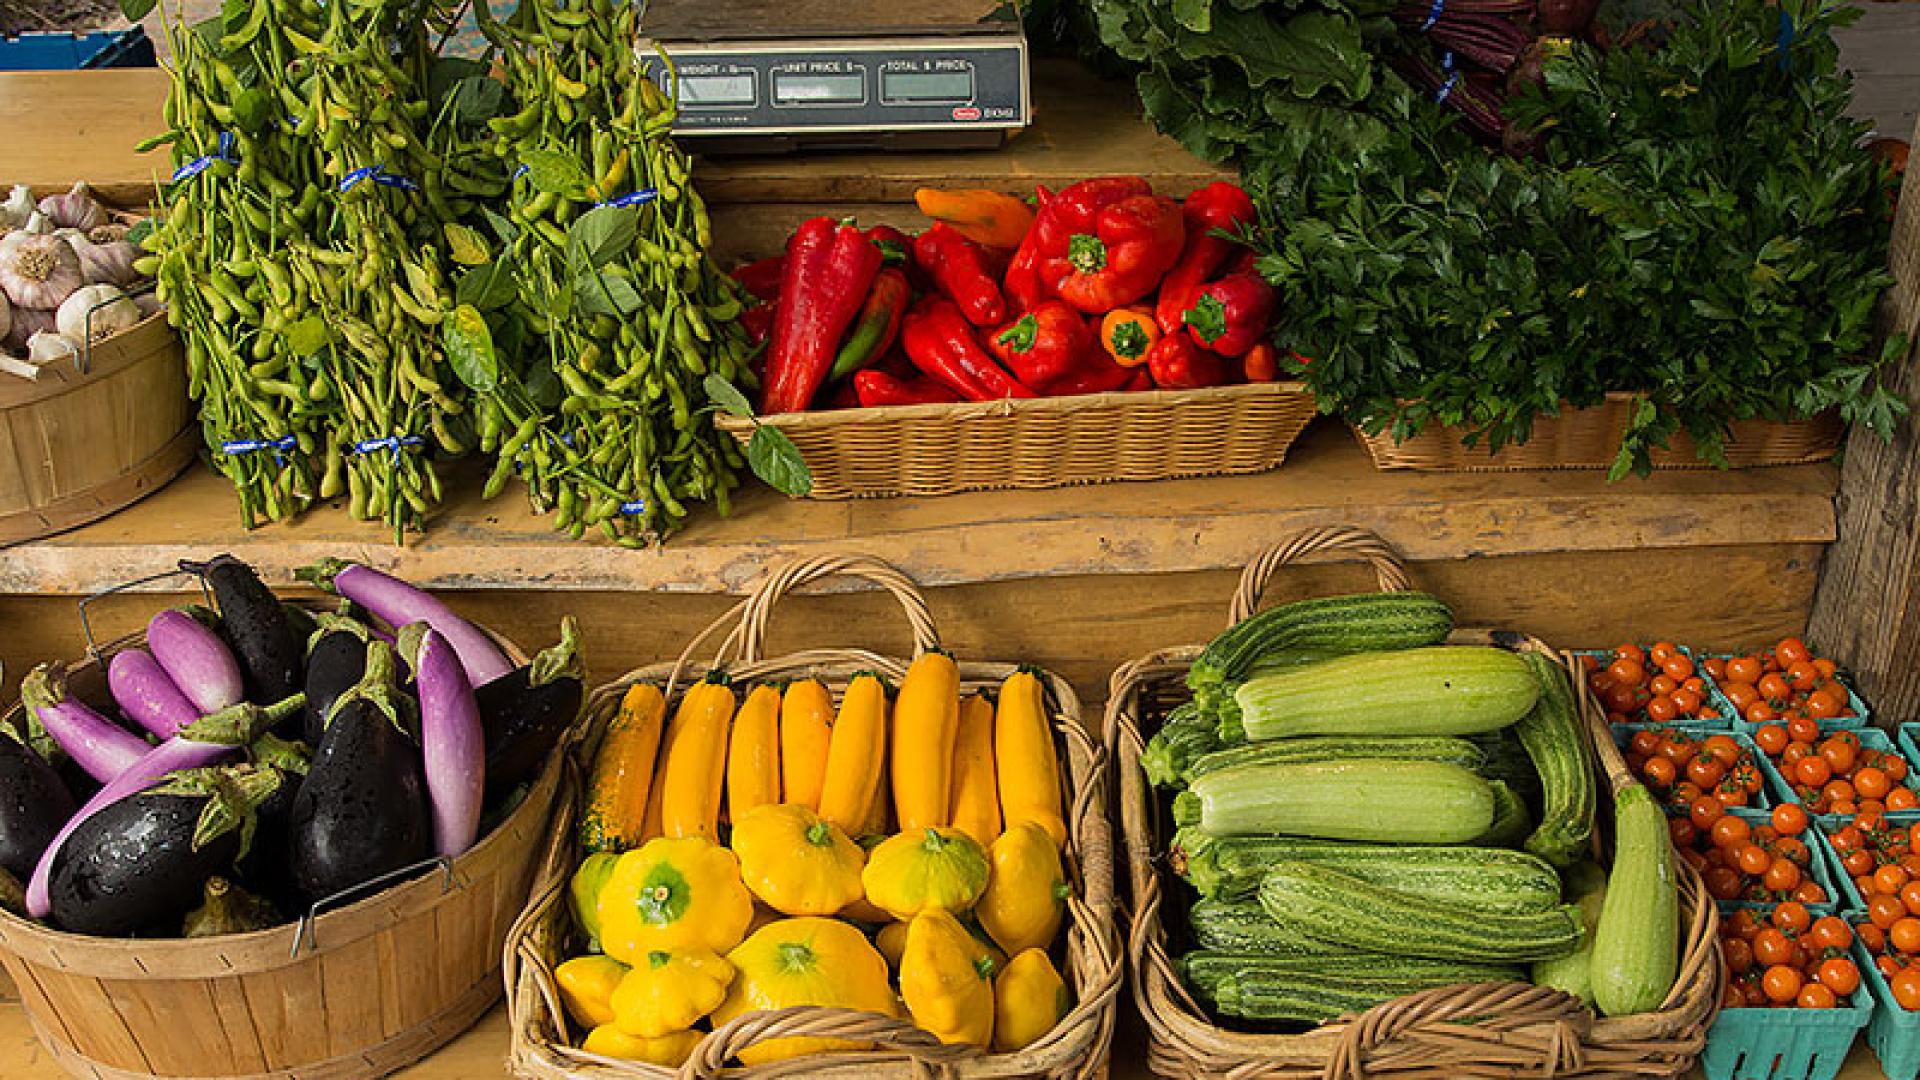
x=1781, y=983
x=1792, y=650
x=1743, y=669
x=1815, y=995
x=1782, y=876
x=1678, y=667
x=1885, y=910
x=1809, y=891
x=1831, y=932
x=1723, y=883
x=1660, y=685
x=1872, y=783
x=1759, y=712
x=1812, y=771
x=1792, y=918
x=1681, y=832
x=1890, y=879
x=1660, y=773
x=1705, y=769
x=1802, y=728
x=1824, y=705
x=1644, y=742
x=1739, y=954
x=1827, y=668
x=1704, y=811
x=1771, y=946
x=1793, y=849
x=1791, y=820
x=1904, y=935
x=1724, y=749
x=1838, y=791
x=1902, y=798
x=1771, y=738
x=1802, y=676
x=1839, y=975
x=1715, y=666
x=1631, y=672
x=1753, y=860
x=1840, y=754
x=1874, y=938
x=1661, y=710
x=1906, y=988
x=1731, y=833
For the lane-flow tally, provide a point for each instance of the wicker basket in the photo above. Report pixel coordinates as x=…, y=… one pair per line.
x=1043, y=442
x=1488, y=1030
x=1590, y=439
x=358, y=992
x=542, y=1044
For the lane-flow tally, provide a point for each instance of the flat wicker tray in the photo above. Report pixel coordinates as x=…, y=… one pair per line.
x=1043, y=442
x=1482, y=1030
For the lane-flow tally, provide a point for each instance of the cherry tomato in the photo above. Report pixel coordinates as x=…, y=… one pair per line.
x=1840, y=754
x=1890, y=879
x=1791, y=820
x=1782, y=876
x=1885, y=910
x=1644, y=742
x=1792, y=918
x=1628, y=671
x=1839, y=975
x=1661, y=710
x=1739, y=954
x=1731, y=833
x=1872, y=783
x=1723, y=883
x=1815, y=995
x=1902, y=798
x=1687, y=701
x=1771, y=738
x=1704, y=811
x=1715, y=667
x=1810, y=892
x=1793, y=849
x=1753, y=860
x=1681, y=831
x=1827, y=668
x=1781, y=983
x=1759, y=712
x=1660, y=773
x=1831, y=932
x=1874, y=938
x=1803, y=728
x=1630, y=652
x=1743, y=669
x=1621, y=698
x=1705, y=769
x=1771, y=946
x=1802, y=676
x=1724, y=749
x=1824, y=705
x=1812, y=771
x=1857, y=862
x=1678, y=667
x=1660, y=684
x=1904, y=935
x=1906, y=988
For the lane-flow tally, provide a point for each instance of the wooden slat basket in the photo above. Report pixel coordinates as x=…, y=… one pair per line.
x=1038, y=443
x=363, y=991
x=544, y=1042
x=1483, y=1030
x=1590, y=439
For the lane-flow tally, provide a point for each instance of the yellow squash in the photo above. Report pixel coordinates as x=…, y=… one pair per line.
x=946, y=979
x=696, y=766
x=1029, y=1000
x=583, y=894
x=622, y=775
x=670, y=991
x=673, y=895
x=934, y=868
x=926, y=721
x=975, y=806
x=586, y=987
x=891, y=940
x=670, y=1051
x=805, y=961
x=753, y=754
x=855, y=754
x=1029, y=769
x=806, y=730
x=1026, y=890
x=796, y=862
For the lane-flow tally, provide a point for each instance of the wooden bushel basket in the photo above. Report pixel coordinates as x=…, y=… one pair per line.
x=358, y=993
x=544, y=1040
x=76, y=447
x=1482, y=1030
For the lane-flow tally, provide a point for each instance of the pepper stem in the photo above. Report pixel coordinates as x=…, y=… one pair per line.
x=1020, y=336
x=1087, y=253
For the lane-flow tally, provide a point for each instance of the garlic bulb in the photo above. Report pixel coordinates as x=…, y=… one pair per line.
x=38, y=271
x=109, y=233
x=104, y=264
x=77, y=209
x=47, y=347
x=26, y=323
x=38, y=224
x=95, y=313
x=17, y=208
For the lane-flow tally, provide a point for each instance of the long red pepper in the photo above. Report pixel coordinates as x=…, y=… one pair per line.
x=880, y=388
x=877, y=326
x=828, y=272
x=941, y=342
x=958, y=268
x=1218, y=206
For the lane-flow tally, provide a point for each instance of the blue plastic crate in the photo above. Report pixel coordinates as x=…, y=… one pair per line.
x=1894, y=1032
x=74, y=52
x=1870, y=739
x=1784, y=1044
x=1763, y=799
x=1861, y=716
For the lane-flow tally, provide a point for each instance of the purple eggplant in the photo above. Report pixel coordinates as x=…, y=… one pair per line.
x=34, y=804
x=218, y=737
x=256, y=626
x=145, y=692
x=452, y=741
x=199, y=663
x=98, y=745
x=335, y=664
x=526, y=712
x=397, y=603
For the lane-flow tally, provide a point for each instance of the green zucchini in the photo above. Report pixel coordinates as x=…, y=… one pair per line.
x=1511, y=822
x=1204, y=969
x=1558, y=748
x=1257, y=995
x=1247, y=928
x=1184, y=737
x=1587, y=888
x=1340, y=748
x=1439, y=690
x=1332, y=906
x=1636, y=945
x=1507, y=762
x=1339, y=624
x=1488, y=879
x=1287, y=659
x=1410, y=802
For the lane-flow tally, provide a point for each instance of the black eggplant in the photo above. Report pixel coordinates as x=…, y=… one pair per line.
x=335, y=664
x=362, y=810
x=254, y=623
x=267, y=867
x=34, y=804
x=132, y=869
x=526, y=711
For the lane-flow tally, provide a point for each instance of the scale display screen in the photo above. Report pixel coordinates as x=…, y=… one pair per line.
x=804, y=89
x=716, y=91
x=927, y=87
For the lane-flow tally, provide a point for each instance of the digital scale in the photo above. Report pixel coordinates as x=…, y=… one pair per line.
x=766, y=76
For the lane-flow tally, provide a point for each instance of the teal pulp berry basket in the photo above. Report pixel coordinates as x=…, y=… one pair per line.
x=1894, y=1032
x=1907, y=738
x=1787, y=1044
x=1823, y=866
x=1762, y=800
x=1832, y=823
x=1861, y=716
x=1723, y=710
x=1870, y=739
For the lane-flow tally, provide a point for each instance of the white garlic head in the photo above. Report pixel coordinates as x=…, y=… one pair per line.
x=47, y=347
x=76, y=209
x=38, y=270
x=16, y=208
x=95, y=313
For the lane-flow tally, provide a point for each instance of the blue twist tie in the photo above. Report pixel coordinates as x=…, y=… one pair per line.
x=1433, y=15
x=520, y=172
x=394, y=443
x=254, y=446
x=1783, y=42
x=379, y=175
x=1446, y=60
x=634, y=508
x=1446, y=89
x=633, y=198
x=199, y=165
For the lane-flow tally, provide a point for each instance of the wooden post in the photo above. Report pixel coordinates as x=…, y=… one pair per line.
x=1866, y=612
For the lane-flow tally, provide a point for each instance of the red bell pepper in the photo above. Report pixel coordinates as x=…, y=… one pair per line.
x=1218, y=207
x=877, y=326
x=762, y=277
x=1099, y=375
x=940, y=342
x=1045, y=345
x=896, y=247
x=1132, y=245
x=1141, y=379
x=1231, y=315
x=828, y=272
x=1178, y=364
x=880, y=388
x=958, y=268
x=1038, y=265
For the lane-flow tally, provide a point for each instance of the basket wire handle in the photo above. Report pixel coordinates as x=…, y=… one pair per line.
x=1327, y=540
x=303, y=932
x=86, y=625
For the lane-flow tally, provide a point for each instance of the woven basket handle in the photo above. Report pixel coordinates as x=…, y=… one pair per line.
x=926, y=1053
x=1326, y=543
x=1425, y=1018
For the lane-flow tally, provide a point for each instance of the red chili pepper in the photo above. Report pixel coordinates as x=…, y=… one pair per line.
x=1222, y=207
x=841, y=397
x=1141, y=379
x=896, y=247
x=877, y=326
x=879, y=388
x=829, y=270
x=958, y=268
x=757, y=321
x=1231, y=315
x=1261, y=364
x=1045, y=345
x=1038, y=266
x=1100, y=375
x=940, y=342
x=762, y=278
x=1178, y=364
x=1131, y=246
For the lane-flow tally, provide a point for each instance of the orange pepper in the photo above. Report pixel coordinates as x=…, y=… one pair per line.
x=1127, y=333
x=988, y=218
x=1262, y=363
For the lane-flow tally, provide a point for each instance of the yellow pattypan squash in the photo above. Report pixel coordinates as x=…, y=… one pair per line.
x=668, y=992
x=795, y=862
x=586, y=988
x=806, y=961
x=1026, y=889
x=674, y=894
x=583, y=895
x=671, y=1051
x=1029, y=1000
x=934, y=868
x=946, y=979
x=891, y=940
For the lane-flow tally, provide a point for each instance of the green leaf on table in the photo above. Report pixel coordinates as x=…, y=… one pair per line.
x=777, y=461
x=469, y=347
x=554, y=172
x=486, y=288
x=136, y=10
x=727, y=396
x=602, y=235
x=607, y=294
x=140, y=231
x=477, y=99
x=506, y=230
